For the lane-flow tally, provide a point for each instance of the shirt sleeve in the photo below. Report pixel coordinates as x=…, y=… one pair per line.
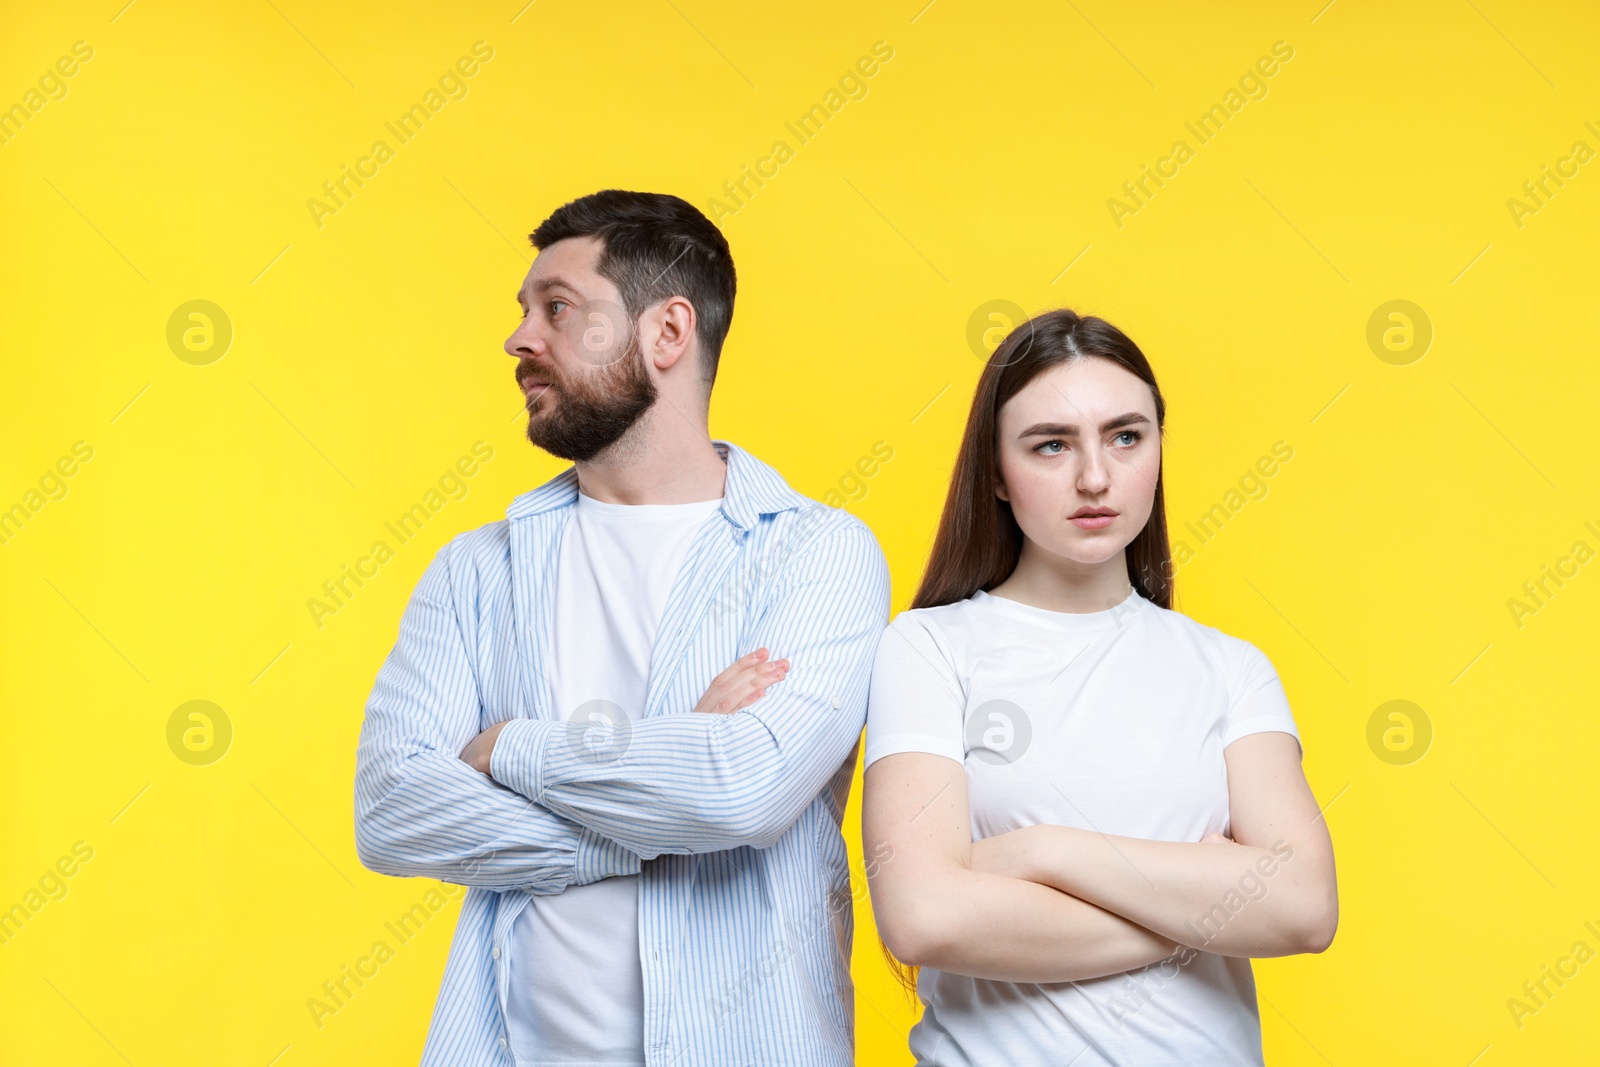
x=916, y=702
x=1257, y=700
x=697, y=782
x=420, y=811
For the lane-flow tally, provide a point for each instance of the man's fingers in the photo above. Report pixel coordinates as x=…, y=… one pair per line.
x=750, y=685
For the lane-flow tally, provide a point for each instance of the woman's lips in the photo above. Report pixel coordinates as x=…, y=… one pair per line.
x=1093, y=522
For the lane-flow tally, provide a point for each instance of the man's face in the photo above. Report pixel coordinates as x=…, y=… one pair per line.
x=579, y=362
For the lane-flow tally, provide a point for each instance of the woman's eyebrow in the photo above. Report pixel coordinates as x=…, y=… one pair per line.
x=1062, y=429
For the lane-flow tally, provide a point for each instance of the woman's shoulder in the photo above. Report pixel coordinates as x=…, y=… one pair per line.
x=939, y=621
x=936, y=633
x=1236, y=653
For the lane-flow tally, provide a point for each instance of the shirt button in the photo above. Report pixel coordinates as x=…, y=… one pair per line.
x=836, y=703
x=503, y=1043
x=495, y=953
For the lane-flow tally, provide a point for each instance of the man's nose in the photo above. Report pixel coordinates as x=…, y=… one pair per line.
x=525, y=341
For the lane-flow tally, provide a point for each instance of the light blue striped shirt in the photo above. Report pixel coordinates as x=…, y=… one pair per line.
x=731, y=821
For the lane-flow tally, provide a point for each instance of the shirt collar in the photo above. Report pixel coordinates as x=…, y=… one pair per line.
x=752, y=489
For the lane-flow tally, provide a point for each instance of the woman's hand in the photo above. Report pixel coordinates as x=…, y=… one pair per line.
x=742, y=684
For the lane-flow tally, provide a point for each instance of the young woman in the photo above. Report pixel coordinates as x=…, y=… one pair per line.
x=1085, y=810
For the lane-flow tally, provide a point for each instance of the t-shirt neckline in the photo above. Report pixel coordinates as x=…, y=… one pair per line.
x=605, y=509
x=1063, y=621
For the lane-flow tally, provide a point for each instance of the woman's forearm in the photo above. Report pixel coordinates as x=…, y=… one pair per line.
x=1217, y=896
x=1009, y=929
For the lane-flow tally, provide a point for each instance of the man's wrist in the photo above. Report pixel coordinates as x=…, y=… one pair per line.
x=517, y=759
x=597, y=857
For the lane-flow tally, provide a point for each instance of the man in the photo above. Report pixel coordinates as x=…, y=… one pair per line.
x=586, y=719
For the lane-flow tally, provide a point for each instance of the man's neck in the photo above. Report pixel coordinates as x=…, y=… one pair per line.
x=656, y=462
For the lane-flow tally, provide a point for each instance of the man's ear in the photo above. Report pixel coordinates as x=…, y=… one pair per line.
x=673, y=337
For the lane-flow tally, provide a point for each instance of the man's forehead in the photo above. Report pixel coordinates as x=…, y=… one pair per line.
x=566, y=264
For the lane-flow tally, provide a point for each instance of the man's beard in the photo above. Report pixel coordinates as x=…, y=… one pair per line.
x=590, y=417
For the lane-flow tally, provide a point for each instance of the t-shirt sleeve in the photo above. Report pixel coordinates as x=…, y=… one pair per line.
x=916, y=703
x=1258, y=702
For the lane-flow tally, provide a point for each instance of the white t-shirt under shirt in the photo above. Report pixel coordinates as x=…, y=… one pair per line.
x=1113, y=721
x=576, y=989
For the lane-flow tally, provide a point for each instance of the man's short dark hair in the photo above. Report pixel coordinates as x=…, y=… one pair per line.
x=655, y=246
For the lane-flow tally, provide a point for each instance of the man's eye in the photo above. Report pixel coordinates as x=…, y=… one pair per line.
x=555, y=307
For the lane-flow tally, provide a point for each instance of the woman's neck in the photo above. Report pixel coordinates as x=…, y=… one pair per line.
x=1059, y=584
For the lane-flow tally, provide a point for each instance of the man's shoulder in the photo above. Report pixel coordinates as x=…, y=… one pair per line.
x=492, y=540
x=811, y=526
x=473, y=554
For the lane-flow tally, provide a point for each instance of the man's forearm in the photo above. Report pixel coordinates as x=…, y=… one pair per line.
x=684, y=783
x=432, y=816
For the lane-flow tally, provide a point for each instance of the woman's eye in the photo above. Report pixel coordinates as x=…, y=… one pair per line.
x=1041, y=448
x=1132, y=435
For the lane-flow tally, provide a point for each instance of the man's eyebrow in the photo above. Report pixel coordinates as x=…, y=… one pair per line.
x=552, y=282
x=1061, y=429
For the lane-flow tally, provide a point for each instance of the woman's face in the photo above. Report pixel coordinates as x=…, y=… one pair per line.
x=1079, y=453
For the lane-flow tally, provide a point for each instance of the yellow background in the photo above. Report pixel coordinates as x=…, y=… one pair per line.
x=366, y=358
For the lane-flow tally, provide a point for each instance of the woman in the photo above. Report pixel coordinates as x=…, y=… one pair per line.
x=1087, y=810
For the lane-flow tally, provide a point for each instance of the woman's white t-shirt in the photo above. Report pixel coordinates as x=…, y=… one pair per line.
x=1112, y=721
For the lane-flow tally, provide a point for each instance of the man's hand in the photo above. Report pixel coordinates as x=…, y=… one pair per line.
x=742, y=684
x=478, y=750
x=737, y=687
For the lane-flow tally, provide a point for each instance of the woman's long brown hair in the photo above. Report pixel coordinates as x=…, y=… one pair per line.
x=979, y=541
